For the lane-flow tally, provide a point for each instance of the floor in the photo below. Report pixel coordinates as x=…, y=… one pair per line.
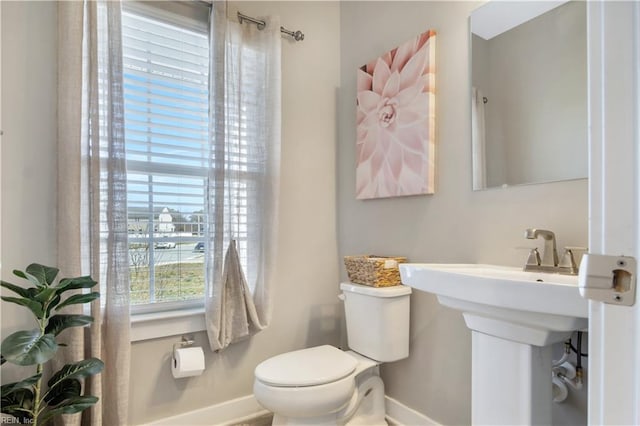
x=268, y=418
x=258, y=421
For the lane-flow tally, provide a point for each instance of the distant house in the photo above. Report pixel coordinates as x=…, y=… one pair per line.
x=165, y=222
x=138, y=222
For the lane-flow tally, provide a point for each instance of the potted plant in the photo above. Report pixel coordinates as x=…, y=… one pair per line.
x=29, y=400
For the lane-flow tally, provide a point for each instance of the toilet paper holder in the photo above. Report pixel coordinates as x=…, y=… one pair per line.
x=187, y=359
x=186, y=342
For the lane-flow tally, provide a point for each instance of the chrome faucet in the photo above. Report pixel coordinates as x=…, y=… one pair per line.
x=549, y=260
x=549, y=252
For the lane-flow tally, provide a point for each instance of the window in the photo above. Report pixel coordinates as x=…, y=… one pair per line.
x=165, y=67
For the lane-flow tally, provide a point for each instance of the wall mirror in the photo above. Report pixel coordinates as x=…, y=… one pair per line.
x=529, y=92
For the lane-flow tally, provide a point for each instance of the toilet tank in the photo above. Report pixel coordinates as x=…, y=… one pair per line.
x=377, y=320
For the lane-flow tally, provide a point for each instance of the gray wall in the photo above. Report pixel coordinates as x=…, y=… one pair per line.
x=453, y=225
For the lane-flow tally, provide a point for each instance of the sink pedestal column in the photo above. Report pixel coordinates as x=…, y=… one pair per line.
x=511, y=382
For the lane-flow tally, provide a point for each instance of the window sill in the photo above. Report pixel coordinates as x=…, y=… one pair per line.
x=168, y=323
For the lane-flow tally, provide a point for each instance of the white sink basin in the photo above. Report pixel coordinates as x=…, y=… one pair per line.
x=536, y=308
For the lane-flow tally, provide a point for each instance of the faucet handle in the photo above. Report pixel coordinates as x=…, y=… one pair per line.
x=568, y=261
x=534, y=258
x=576, y=248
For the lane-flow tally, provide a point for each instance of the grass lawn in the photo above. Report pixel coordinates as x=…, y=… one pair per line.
x=173, y=282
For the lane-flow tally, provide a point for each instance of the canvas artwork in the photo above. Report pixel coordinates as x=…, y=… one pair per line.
x=396, y=121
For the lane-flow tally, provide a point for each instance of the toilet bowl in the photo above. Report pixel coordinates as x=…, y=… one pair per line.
x=324, y=385
x=320, y=385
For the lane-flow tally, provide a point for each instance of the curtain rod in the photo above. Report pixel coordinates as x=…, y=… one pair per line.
x=297, y=35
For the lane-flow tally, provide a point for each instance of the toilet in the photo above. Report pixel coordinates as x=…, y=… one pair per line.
x=324, y=385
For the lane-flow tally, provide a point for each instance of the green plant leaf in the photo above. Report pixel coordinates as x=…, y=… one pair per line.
x=29, y=347
x=70, y=406
x=15, y=288
x=75, y=283
x=66, y=389
x=52, y=304
x=44, y=295
x=57, y=323
x=21, y=397
x=44, y=274
x=19, y=404
x=79, y=370
x=78, y=298
x=33, y=305
x=19, y=273
x=27, y=276
x=27, y=383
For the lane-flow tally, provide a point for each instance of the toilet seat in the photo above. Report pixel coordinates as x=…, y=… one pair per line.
x=305, y=401
x=307, y=367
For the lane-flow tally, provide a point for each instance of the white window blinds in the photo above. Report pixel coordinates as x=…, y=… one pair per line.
x=166, y=66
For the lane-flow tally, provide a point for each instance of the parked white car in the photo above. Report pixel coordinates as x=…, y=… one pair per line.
x=165, y=245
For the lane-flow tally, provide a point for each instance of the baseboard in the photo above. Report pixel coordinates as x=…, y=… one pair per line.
x=245, y=408
x=401, y=415
x=226, y=413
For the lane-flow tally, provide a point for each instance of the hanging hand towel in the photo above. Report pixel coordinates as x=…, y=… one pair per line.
x=237, y=318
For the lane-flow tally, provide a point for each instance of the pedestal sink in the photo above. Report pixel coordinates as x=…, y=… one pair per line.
x=514, y=316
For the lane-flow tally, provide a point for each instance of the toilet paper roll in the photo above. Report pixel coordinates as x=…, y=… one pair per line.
x=187, y=362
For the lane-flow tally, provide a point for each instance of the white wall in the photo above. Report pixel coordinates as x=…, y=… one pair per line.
x=453, y=225
x=28, y=148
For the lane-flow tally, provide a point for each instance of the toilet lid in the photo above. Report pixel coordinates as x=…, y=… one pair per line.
x=306, y=367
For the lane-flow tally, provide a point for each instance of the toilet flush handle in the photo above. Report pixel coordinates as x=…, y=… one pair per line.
x=341, y=296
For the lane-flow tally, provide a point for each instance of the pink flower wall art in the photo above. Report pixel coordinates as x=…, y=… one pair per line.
x=396, y=121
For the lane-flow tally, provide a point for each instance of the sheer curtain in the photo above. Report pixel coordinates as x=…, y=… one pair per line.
x=478, y=139
x=243, y=181
x=92, y=219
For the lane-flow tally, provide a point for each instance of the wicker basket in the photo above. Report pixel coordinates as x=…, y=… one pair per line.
x=375, y=271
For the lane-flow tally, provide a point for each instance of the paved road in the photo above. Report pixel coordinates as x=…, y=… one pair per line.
x=182, y=253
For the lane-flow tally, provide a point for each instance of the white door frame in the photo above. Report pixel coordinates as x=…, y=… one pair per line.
x=614, y=203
